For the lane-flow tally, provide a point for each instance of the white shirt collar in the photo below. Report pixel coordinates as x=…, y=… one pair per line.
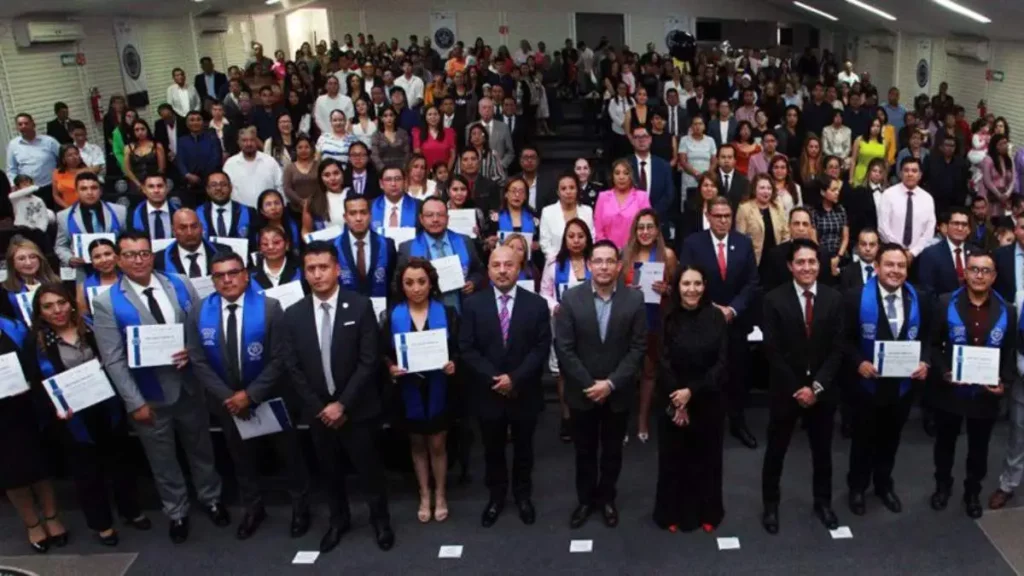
x=640, y=159
x=723, y=173
x=224, y=302
x=715, y=240
x=886, y=293
x=332, y=299
x=201, y=250
x=227, y=206
x=511, y=294
x=152, y=207
x=864, y=265
x=391, y=204
x=800, y=290
x=953, y=247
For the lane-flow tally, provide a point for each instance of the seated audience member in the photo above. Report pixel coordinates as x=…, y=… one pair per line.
x=27, y=269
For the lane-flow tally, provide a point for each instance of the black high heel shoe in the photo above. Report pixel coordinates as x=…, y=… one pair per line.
x=41, y=547
x=60, y=540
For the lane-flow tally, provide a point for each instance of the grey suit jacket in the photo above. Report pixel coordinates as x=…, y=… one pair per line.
x=111, y=341
x=584, y=358
x=501, y=141
x=273, y=365
x=63, y=245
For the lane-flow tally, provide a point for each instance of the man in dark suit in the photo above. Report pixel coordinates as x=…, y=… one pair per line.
x=940, y=267
x=59, y=128
x=652, y=174
x=732, y=286
x=855, y=274
x=731, y=183
x=331, y=355
x=541, y=190
x=210, y=84
x=983, y=232
x=774, y=269
x=600, y=341
x=367, y=259
x=504, y=342
x=677, y=120
x=515, y=123
x=698, y=104
x=360, y=174
x=723, y=129
x=231, y=338
x=1010, y=263
x=974, y=318
x=190, y=254
x=168, y=129
x=485, y=192
x=886, y=308
x=803, y=340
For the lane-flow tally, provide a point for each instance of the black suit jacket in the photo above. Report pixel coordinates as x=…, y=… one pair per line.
x=211, y=251
x=354, y=355
x=486, y=194
x=1006, y=278
x=936, y=271
x=693, y=109
x=58, y=131
x=851, y=277
x=236, y=214
x=372, y=188
x=161, y=135
x=775, y=272
x=220, y=86
x=738, y=185
x=795, y=359
x=291, y=265
x=518, y=131
x=682, y=121
x=365, y=286
x=739, y=287
x=485, y=356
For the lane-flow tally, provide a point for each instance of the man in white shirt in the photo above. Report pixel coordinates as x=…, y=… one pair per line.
x=412, y=85
x=183, y=99
x=92, y=155
x=848, y=76
x=251, y=171
x=907, y=214
x=329, y=102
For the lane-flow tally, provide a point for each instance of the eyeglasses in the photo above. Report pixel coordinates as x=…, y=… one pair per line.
x=392, y=179
x=959, y=224
x=980, y=270
x=595, y=262
x=137, y=255
x=720, y=216
x=227, y=273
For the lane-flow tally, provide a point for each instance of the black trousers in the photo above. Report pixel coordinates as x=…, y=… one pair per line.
x=597, y=438
x=357, y=440
x=494, y=434
x=45, y=193
x=737, y=385
x=92, y=464
x=782, y=419
x=244, y=454
x=947, y=430
x=876, y=438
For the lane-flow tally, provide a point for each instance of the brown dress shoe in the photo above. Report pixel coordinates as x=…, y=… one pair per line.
x=999, y=499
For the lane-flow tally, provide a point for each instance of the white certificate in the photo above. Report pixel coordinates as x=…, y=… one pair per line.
x=463, y=221
x=572, y=283
x=526, y=235
x=976, y=365
x=329, y=233
x=154, y=344
x=160, y=245
x=895, y=359
x=380, y=304
x=92, y=292
x=239, y=246
x=287, y=294
x=400, y=235
x=79, y=388
x=449, y=273
x=80, y=243
x=68, y=274
x=203, y=285
x=646, y=276
x=422, y=351
x=267, y=418
x=12, y=378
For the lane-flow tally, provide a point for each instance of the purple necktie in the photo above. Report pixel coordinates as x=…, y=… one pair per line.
x=504, y=317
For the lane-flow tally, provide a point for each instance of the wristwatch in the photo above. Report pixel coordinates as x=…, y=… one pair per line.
x=817, y=388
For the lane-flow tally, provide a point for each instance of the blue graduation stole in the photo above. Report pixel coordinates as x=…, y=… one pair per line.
x=321, y=223
x=379, y=269
x=242, y=226
x=412, y=387
x=14, y=330
x=141, y=223
x=420, y=247
x=292, y=229
x=92, y=281
x=869, y=318
x=505, y=222
x=407, y=219
x=112, y=226
x=76, y=424
x=13, y=298
x=958, y=335
x=170, y=267
x=127, y=316
x=254, y=326
x=563, y=272
x=524, y=276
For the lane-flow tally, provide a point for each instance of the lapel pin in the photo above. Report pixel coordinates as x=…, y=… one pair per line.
x=732, y=247
x=344, y=304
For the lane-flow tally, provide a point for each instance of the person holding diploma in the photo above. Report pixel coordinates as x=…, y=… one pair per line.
x=96, y=438
x=568, y=268
x=154, y=215
x=161, y=400
x=426, y=397
x=367, y=259
x=434, y=240
x=275, y=264
x=332, y=356
x=272, y=212
x=803, y=341
x=647, y=244
x=505, y=339
x=27, y=268
x=886, y=309
x=395, y=208
x=190, y=254
x=515, y=215
x=232, y=339
x=457, y=196
x=87, y=216
x=326, y=207
x=527, y=271
x=104, y=273
x=600, y=339
x=975, y=315
x=221, y=216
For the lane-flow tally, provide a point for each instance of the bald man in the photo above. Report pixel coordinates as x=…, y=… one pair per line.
x=190, y=254
x=504, y=356
x=498, y=133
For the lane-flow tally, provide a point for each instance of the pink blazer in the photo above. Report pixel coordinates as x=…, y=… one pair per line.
x=612, y=220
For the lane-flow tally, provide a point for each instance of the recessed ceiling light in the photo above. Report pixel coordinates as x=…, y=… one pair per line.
x=821, y=13
x=950, y=5
x=872, y=9
x=272, y=2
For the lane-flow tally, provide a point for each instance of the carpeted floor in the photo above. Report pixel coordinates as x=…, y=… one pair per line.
x=919, y=541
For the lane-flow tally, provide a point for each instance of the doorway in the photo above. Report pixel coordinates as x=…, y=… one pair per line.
x=306, y=25
x=591, y=27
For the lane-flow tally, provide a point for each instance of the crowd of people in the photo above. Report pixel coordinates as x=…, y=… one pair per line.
x=394, y=192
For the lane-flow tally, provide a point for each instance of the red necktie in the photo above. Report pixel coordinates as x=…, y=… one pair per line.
x=959, y=265
x=722, y=268
x=808, y=310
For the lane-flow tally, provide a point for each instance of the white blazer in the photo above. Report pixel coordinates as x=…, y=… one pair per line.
x=552, y=226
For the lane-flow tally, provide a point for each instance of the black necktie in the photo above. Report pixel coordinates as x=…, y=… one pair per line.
x=232, y=341
x=154, y=307
x=908, y=224
x=725, y=181
x=158, y=225
x=193, y=267
x=643, y=175
x=222, y=228
x=672, y=121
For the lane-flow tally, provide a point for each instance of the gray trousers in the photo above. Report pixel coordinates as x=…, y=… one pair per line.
x=1013, y=466
x=189, y=418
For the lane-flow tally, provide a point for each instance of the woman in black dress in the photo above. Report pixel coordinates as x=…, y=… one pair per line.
x=692, y=421
x=663, y=144
x=426, y=396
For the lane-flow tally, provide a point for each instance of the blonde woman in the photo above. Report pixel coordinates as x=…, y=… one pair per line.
x=762, y=216
x=27, y=269
x=418, y=184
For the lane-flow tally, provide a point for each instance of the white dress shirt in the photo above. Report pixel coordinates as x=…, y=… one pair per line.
x=864, y=270
x=617, y=111
x=249, y=178
x=92, y=155
x=723, y=128
x=897, y=303
x=164, y=215
x=389, y=207
x=323, y=107
x=413, y=87
x=274, y=277
x=952, y=253
x=215, y=212
x=181, y=99
x=172, y=136
x=803, y=301
x=186, y=261
x=552, y=226
x=510, y=121
x=162, y=299
x=732, y=178
x=225, y=313
x=715, y=242
x=511, y=302
x=318, y=314
x=893, y=213
x=448, y=120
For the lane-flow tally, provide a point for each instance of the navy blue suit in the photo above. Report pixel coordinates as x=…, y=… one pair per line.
x=659, y=186
x=715, y=131
x=936, y=271
x=1006, y=276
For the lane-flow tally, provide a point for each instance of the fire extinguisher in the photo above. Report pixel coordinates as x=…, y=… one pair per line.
x=94, y=103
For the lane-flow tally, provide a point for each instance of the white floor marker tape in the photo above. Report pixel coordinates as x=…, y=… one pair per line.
x=579, y=546
x=841, y=533
x=306, y=557
x=728, y=543
x=450, y=552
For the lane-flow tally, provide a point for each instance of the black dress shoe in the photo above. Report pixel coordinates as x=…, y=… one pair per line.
x=526, y=512
x=491, y=512
x=741, y=433
x=827, y=516
x=300, y=522
x=250, y=523
x=384, y=534
x=140, y=523
x=579, y=516
x=940, y=499
x=43, y=545
x=770, y=519
x=333, y=536
x=973, y=506
x=857, y=504
x=218, y=514
x=564, y=432
x=179, y=530
x=891, y=501
x=111, y=540
x=611, y=515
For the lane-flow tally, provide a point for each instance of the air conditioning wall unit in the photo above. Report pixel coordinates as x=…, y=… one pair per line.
x=884, y=43
x=32, y=32
x=212, y=24
x=969, y=49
